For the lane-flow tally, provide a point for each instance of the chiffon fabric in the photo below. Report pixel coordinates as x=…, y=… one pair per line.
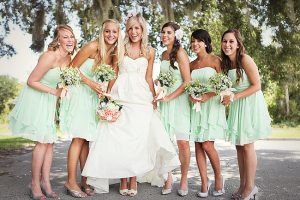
x=248, y=118
x=209, y=123
x=33, y=116
x=77, y=113
x=136, y=144
x=175, y=114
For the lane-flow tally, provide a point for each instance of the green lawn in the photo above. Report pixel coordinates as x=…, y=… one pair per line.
x=8, y=143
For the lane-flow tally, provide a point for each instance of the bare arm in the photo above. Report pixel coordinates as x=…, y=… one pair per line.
x=45, y=62
x=252, y=72
x=115, y=63
x=149, y=72
x=184, y=67
x=86, y=52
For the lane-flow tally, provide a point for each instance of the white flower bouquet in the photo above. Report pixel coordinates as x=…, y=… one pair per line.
x=103, y=74
x=221, y=85
x=165, y=80
x=108, y=110
x=196, y=89
x=69, y=76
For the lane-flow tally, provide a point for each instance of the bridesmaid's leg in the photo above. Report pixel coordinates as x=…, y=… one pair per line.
x=46, y=168
x=202, y=165
x=82, y=160
x=240, y=158
x=250, y=162
x=73, y=157
x=214, y=158
x=184, y=157
x=38, y=155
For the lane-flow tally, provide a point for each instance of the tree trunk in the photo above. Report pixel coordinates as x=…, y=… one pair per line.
x=287, y=99
x=168, y=10
x=108, y=10
x=59, y=12
x=38, y=37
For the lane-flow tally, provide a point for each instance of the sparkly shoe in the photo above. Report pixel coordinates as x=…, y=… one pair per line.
x=132, y=192
x=165, y=191
x=42, y=197
x=204, y=194
x=221, y=191
x=251, y=195
x=74, y=193
x=48, y=194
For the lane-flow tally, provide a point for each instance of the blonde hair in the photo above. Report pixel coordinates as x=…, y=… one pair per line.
x=55, y=43
x=102, y=47
x=145, y=50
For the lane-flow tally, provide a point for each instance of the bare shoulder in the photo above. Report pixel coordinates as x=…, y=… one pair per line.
x=181, y=51
x=48, y=57
x=92, y=46
x=248, y=62
x=151, y=50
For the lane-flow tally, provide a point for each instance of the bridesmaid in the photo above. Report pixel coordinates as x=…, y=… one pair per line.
x=248, y=118
x=210, y=123
x=78, y=110
x=174, y=108
x=33, y=117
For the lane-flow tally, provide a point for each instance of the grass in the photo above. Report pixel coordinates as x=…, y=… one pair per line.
x=9, y=143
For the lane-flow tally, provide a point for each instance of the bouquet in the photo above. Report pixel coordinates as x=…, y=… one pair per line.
x=103, y=74
x=69, y=76
x=222, y=85
x=108, y=110
x=196, y=89
x=165, y=80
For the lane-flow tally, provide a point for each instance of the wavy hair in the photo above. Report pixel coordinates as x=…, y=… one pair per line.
x=203, y=35
x=176, y=45
x=102, y=47
x=145, y=50
x=226, y=63
x=55, y=43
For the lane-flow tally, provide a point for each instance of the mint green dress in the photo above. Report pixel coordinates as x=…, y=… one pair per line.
x=175, y=114
x=78, y=117
x=210, y=122
x=248, y=118
x=33, y=116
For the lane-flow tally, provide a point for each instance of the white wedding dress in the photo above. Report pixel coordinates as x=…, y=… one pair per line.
x=136, y=144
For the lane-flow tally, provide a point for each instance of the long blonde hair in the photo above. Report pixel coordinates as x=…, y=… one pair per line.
x=102, y=47
x=145, y=50
x=55, y=43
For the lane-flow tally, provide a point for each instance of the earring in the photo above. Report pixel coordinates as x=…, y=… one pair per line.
x=58, y=43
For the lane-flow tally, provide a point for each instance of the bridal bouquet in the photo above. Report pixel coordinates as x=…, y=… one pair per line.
x=103, y=74
x=165, y=80
x=108, y=110
x=69, y=76
x=196, y=89
x=222, y=85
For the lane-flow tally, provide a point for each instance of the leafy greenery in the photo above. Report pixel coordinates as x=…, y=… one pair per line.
x=278, y=61
x=8, y=143
x=9, y=88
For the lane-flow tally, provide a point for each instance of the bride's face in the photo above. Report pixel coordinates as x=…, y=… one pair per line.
x=135, y=32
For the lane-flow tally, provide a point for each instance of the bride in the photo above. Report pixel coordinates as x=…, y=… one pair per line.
x=136, y=144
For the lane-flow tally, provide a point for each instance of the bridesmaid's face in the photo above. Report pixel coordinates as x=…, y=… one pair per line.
x=135, y=32
x=110, y=33
x=197, y=45
x=229, y=44
x=167, y=36
x=66, y=40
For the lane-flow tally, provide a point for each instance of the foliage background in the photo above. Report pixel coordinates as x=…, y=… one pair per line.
x=278, y=61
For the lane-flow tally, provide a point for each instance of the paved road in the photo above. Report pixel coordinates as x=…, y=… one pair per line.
x=278, y=174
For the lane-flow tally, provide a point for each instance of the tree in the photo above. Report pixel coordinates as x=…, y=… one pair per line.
x=9, y=88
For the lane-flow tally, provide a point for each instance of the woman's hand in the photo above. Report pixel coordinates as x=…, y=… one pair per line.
x=205, y=97
x=95, y=86
x=156, y=82
x=57, y=92
x=193, y=100
x=164, y=99
x=154, y=103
